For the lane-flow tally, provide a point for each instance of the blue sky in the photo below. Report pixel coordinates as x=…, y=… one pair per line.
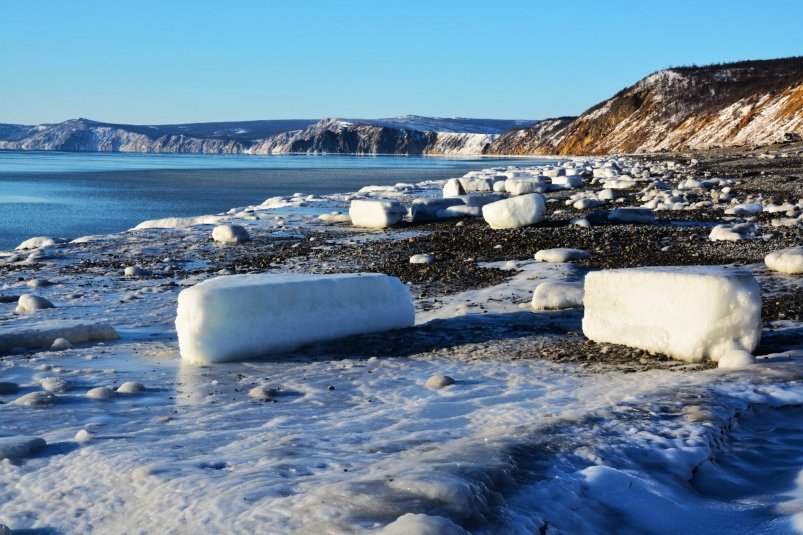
x=151, y=62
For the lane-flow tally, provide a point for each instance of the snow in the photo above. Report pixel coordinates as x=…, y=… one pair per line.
x=554, y=295
x=376, y=214
x=733, y=232
x=515, y=212
x=561, y=254
x=789, y=261
x=689, y=313
x=248, y=316
x=230, y=234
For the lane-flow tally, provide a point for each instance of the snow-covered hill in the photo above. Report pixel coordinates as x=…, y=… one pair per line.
x=737, y=104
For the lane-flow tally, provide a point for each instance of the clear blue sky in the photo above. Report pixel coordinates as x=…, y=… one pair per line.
x=170, y=61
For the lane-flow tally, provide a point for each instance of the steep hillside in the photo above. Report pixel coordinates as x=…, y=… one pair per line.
x=737, y=104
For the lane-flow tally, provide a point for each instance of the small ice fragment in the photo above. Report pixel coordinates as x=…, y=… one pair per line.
x=130, y=387
x=100, y=393
x=60, y=344
x=135, y=271
x=56, y=385
x=230, y=234
x=439, y=381
x=422, y=259
x=36, y=399
x=83, y=436
x=261, y=393
x=32, y=303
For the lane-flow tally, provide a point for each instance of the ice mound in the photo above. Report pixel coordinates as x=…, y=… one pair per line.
x=46, y=334
x=32, y=303
x=230, y=234
x=561, y=255
x=376, y=213
x=788, y=261
x=689, y=313
x=554, y=295
x=244, y=316
x=515, y=212
x=178, y=222
x=37, y=243
x=733, y=232
x=421, y=524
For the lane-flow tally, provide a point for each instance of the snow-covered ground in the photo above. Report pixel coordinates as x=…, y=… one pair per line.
x=348, y=438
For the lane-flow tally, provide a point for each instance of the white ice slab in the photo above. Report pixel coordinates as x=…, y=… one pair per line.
x=376, y=213
x=689, y=313
x=515, y=212
x=245, y=316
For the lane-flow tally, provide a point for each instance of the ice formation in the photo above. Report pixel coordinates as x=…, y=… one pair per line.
x=423, y=258
x=561, y=254
x=247, y=316
x=47, y=333
x=376, y=213
x=689, y=313
x=789, y=261
x=733, y=232
x=515, y=212
x=230, y=234
x=32, y=303
x=557, y=295
x=36, y=243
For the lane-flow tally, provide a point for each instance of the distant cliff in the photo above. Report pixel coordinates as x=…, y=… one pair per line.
x=399, y=135
x=735, y=104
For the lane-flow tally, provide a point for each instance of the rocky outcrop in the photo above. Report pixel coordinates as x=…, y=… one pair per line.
x=736, y=104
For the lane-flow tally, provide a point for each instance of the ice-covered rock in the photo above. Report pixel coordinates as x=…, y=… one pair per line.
x=14, y=448
x=453, y=188
x=423, y=258
x=32, y=303
x=581, y=222
x=44, y=336
x=689, y=313
x=515, y=212
x=557, y=295
x=439, y=381
x=230, y=234
x=736, y=359
x=261, y=393
x=426, y=209
x=733, y=232
x=561, y=254
x=60, y=344
x=376, y=213
x=38, y=283
x=37, y=243
x=56, y=385
x=100, y=393
x=135, y=271
x=246, y=316
x=83, y=436
x=788, y=261
x=130, y=387
x=422, y=524
x=36, y=399
x=631, y=215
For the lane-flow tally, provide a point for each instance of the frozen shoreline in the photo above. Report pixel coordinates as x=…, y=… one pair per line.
x=518, y=443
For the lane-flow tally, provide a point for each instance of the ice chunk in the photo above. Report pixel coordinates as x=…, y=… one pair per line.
x=521, y=186
x=60, y=344
x=32, y=303
x=554, y=295
x=733, y=232
x=424, y=258
x=423, y=210
x=515, y=212
x=453, y=188
x=421, y=524
x=245, y=316
x=376, y=213
x=631, y=215
x=36, y=399
x=230, y=234
x=135, y=271
x=20, y=447
x=786, y=260
x=178, y=222
x=100, y=393
x=439, y=381
x=46, y=334
x=736, y=359
x=56, y=385
x=37, y=243
x=130, y=387
x=690, y=313
x=561, y=254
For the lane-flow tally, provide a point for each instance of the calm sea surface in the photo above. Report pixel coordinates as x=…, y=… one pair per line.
x=68, y=195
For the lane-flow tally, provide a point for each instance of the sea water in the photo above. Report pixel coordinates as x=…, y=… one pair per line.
x=67, y=195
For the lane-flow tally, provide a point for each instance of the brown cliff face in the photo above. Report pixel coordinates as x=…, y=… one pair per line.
x=737, y=104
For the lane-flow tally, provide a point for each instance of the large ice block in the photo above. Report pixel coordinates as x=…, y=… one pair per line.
x=245, y=316
x=690, y=313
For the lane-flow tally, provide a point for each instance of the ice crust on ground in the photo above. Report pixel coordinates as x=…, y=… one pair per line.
x=46, y=333
x=690, y=313
x=248, y=316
